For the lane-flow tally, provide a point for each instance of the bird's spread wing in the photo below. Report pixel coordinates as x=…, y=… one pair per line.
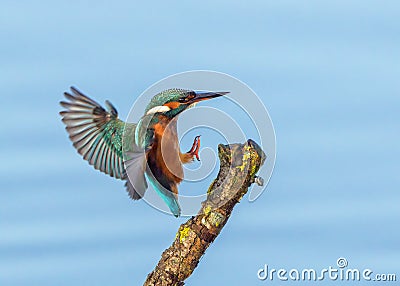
x=97, y=134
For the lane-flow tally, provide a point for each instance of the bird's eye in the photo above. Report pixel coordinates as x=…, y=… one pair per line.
x=182, y=100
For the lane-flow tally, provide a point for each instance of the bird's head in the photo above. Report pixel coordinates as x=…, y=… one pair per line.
x=171, y=102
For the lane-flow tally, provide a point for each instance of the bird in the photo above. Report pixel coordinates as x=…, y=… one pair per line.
x=137, y=153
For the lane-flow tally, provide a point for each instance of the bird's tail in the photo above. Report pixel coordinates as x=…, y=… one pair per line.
x=168, y=196
x=172, y=202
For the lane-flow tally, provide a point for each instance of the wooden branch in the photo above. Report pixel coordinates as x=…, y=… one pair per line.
x=239, y=164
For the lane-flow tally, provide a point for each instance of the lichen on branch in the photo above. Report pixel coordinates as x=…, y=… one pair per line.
x=239, y=164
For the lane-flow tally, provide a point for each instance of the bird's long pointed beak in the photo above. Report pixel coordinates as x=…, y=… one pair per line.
x=204, y=95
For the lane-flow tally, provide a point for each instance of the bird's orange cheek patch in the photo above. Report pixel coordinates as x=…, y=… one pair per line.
x=173, y=104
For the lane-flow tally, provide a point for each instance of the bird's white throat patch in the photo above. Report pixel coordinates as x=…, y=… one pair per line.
x=160, y=108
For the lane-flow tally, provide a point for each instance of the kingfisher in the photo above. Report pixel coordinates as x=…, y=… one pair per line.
x=138, y=153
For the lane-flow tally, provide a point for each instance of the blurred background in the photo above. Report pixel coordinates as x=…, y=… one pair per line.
x=328, y=72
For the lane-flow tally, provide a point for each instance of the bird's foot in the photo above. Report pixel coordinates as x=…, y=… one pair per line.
x=194, y=151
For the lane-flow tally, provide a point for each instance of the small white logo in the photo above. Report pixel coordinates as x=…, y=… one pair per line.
x=342, y=262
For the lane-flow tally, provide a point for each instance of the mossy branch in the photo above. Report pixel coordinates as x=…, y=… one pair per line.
x=239, y=164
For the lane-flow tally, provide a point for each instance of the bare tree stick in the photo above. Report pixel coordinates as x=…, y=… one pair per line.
x=239, y=164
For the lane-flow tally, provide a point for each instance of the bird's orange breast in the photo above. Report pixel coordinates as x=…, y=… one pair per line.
x=165, y=152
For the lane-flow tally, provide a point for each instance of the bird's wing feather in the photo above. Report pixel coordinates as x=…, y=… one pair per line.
x=95, y=133
x=135, y=165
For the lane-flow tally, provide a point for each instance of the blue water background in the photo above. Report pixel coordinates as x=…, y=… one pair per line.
x=328, y=72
